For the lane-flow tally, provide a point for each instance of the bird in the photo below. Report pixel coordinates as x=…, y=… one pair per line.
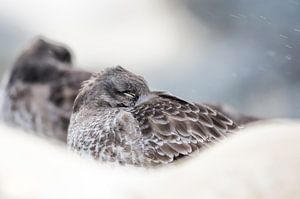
x=38, y=91
x=116, y=118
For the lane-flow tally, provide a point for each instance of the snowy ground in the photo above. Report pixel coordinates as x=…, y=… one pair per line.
x=262, y=161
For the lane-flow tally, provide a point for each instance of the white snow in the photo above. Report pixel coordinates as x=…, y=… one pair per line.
x=262, y=161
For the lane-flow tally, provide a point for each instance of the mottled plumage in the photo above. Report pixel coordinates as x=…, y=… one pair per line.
x=117, y=118
x=39, y=90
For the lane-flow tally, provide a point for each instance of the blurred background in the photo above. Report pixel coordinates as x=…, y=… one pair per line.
x=242, y=53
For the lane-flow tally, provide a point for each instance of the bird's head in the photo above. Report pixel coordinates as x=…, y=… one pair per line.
x=40, y=63
x=43, y=48
x=113, y=87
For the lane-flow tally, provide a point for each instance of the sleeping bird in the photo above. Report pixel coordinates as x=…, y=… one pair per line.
x=117, y=118
x=39, y=89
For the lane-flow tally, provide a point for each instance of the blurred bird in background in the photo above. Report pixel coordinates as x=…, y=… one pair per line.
x=39, y=89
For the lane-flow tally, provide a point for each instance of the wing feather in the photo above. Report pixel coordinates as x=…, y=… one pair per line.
x=173, y=127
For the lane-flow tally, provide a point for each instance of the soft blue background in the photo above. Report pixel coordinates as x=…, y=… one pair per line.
x=242, y=53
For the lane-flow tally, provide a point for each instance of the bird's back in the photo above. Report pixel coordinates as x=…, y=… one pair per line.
x=173, y=128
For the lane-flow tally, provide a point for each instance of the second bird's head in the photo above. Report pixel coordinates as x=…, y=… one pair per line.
x=40, y=62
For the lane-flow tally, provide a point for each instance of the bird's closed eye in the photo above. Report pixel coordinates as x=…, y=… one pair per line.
x=129, y=94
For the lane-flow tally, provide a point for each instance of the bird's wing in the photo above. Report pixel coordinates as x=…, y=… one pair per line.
x=172, y=127
x=51, y=102
x=239, y=118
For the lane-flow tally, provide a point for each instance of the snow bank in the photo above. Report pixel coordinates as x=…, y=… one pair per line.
x=262, y=161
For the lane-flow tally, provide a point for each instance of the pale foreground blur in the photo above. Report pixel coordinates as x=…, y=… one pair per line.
x=262, y=161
